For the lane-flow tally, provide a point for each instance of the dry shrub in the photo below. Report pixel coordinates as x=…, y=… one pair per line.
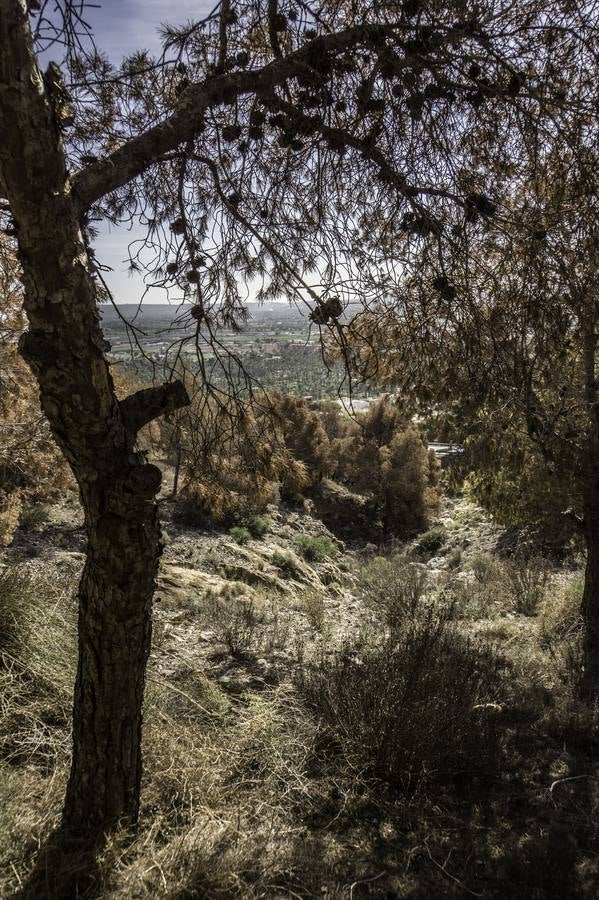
x=528, y=580
x=561, y=628
x=393, y=587
x=517, y=584
x=236, y=457
x=500, y=586
x=225, y=500
x=313, y=603
x=246, y=624
x=482, y=591
x=302, y=433
x=412, y=707
x=10, y=512
x=238, y=622
x=233, y=457
x=383, y=456
x=277, y=627
x=485, y=568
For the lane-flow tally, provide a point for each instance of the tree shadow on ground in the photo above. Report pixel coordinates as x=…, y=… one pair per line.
x=65, y=869
x=47, y=542
x=527, y=828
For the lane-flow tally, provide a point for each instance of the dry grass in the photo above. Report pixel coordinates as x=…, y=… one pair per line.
x=314, y=608
x=393, y=587
x=37, y=666
x=560, y=628
x=255, y=796
x=412, y=706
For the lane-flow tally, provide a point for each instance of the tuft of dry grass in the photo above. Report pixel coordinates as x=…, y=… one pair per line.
x=560, y=629
x=37, y=670
x=314, y=608
x=528, y=579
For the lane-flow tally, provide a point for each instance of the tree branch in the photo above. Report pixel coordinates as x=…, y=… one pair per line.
x=273, y=13
x=144, y=406
x=225, y=11
x=142, y=151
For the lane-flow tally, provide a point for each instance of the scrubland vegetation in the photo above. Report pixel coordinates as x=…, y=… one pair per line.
x=429, y=737
x=253, y=645
x=229, y=471
x=324, y=715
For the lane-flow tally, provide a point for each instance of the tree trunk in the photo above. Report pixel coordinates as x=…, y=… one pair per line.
x=65, y=349
x=115, y=597
x=590, y=598
x=590, y=603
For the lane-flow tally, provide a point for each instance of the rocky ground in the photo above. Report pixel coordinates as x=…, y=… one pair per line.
x=245, y=795
x=214, y=593
x=244, y=614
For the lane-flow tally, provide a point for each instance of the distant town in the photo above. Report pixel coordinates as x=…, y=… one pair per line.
x=277, y=347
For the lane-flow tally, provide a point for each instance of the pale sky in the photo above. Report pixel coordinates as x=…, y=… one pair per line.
x=121, y=26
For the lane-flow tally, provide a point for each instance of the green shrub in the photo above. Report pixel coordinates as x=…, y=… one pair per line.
x=240, y=535
x=285, y=563
x=315, y=549
x=33, y=515
x=414, y=707
x=431, y=541
x=258, y=526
